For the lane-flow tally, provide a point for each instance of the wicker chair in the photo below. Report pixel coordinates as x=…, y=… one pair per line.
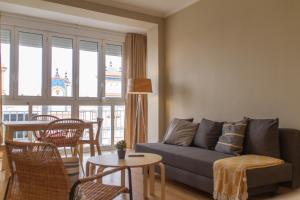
x=37, y=134
x=38, y=173
x=64, y=133
x=93, y=141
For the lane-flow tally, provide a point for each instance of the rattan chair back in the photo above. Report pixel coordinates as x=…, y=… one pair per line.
x=64, y=132
x=44, y=117
x=37, y=134
x=37, y=172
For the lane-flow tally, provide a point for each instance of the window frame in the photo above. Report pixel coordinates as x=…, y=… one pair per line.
x=16, y=63
x=123, y=77
x=99, y=68
x=47, y=29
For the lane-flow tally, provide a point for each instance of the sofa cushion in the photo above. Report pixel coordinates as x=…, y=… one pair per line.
x=181, y=132
x=232, y=139
x=194, y=159
x=262, y=137
x=208, y=134
x=269, y=175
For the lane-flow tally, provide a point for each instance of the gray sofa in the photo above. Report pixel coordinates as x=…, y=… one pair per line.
x=193, y=166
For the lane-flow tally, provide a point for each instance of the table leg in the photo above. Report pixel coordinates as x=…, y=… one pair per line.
x=123, y=177
x=91, y=135
x=88, y=168
x=81, y=152
x=145, y=180
x=162, y=181
x=100, y=170
x=151, y=174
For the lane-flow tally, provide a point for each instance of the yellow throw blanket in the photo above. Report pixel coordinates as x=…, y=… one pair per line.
x=230, y=179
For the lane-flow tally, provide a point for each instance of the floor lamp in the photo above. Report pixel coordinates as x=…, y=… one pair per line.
x=139, y=87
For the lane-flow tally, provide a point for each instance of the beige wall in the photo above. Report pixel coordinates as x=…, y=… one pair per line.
x=226, y=59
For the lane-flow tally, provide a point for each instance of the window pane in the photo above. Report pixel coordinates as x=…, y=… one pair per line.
x=105, y=113
x=16, y=113
x=5, y=36
x=60, y=111
x=88, y=69
x=62, y=66
x=91, y=113
x=113, y=70
x=119, y=123
x=30, y=64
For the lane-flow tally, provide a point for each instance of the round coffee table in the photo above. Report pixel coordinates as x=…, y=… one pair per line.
x=147, y=162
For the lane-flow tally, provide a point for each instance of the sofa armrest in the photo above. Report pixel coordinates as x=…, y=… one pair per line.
x=290, y=152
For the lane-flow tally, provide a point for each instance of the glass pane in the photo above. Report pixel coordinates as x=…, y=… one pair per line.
x=113, y=70
x=60, y=111
x=105, y=113
x=5, y=36
x=119, y=123
x=16, y=113
x=62, y=67
x=30, y=64
x=91, y=113
x=88, y=69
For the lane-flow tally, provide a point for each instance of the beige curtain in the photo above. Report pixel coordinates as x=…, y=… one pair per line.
x=135, y=61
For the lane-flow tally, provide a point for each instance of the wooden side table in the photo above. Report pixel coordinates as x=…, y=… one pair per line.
x=147, y=162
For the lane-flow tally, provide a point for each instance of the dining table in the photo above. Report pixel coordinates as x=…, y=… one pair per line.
x=10, y=127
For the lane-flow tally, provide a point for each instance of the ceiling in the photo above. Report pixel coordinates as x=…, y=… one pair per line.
x=72, y=15
x=159, y=8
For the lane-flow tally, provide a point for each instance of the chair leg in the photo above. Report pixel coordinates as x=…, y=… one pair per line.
x=98, y=149
x=81, y=163
x=8, y=187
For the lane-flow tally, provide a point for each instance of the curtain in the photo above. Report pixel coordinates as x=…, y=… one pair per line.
x=135, y=61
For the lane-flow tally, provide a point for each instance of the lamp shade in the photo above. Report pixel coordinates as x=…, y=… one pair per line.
x=139, y=86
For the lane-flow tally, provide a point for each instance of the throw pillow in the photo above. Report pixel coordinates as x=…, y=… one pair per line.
x=232, y=139
x=208, y=134
x=180, y=132
x=262, y=137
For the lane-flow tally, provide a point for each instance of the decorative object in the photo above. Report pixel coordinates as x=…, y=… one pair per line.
x=262, y=137
x=208, y=134
x=181, y=132
x=232, y=139
x=121, y=148
x=139, y=87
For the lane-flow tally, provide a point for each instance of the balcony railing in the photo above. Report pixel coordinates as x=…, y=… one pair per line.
x=111, y=131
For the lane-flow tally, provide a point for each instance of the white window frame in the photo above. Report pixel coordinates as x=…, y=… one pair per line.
x=16, y=23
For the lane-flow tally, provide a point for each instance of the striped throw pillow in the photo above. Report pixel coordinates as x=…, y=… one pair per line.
x=232, y=139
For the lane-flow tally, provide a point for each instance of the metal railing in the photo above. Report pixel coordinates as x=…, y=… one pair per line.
x=90, y=115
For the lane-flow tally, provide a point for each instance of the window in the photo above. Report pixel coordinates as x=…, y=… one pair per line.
x=30, y=64
x=119, y=123
x=16, y=113
x=88, y=69
x=5, y=36
x=60, y=111
x=60, y=71
x=113, y=70
x=62, y=67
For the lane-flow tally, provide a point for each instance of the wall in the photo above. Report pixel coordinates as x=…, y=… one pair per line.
x=234, y=58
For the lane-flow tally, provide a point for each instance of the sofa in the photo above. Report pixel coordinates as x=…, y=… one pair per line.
x=193, y=166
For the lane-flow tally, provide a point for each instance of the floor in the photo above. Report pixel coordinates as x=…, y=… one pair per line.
x=174, y=190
